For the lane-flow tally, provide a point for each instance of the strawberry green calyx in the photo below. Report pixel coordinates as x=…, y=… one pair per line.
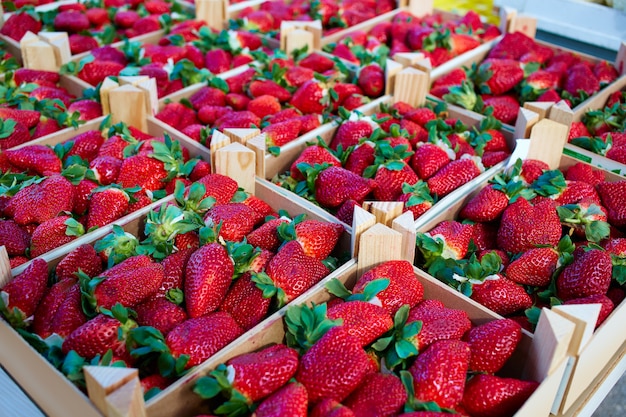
x=585, y=217
x=306, y=325
x=269, y=288
x=594, y=144
x=175, y=295
x=7, y=127
x=186, y=71
x=11, y=183
x=194, y=200
x=550, y=183
x=400, y=343
x=369, y=294
x=512, y=185
x=463, y=95
x=74, y=228
x=219, y=382
x=475, y=272
x=170, y=153
x=413, y=404
x=73, y=68
x=72, y=365
x=16, y=317
x=147, y=344
x=87, y=288
x=117, y=246
x=419, y=193
x=242, y=255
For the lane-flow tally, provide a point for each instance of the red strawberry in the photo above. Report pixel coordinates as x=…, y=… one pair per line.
x=364, y=320
x=439, y=372
x=488, y=395
x=161, y=314
x=13, y=238
x=28, y=118
x=36, y=158
x=390, y=179
x=349, y=133
x=524, y=226
x=16, y=26
x=49, y=305
x=97, y=16
x=362, y=156
x=585, y=173
x=266, y=236
x=236, y=219
x=438, y=323
x=106, y=205
x=501, y=295
x=334, y=366
x=512, y=46
x=82, y=258
x=372, y=80
x=404, y=287
x=218, y=61
x=20, y=296
x=605, y=72
x=207, y=277
x=95, y=72
x=318, y=238
x=82, y=43
x=54, y=233
x=311, y=97
x=317, y=62
x=144, y=171
x=174, y=271
x=612, y=195
x=238, y=119
x=505, y=107
x=202, y=337
x=430, y=158
x=85, y=145
x=492, y=344
x=534, y=267
x=282, y=133
x=581, y=78
x=290, y=400
x=88, y=109
x=537, y=83
x=379, y=394
x=416, y=198
x=43, y=201
x=27, y=75
x=335, y=185
x=220, y=187
x=260, y=88
x=590, y=274
x=497, y=76
x=264, y=105
x=71, y=21
x=259, y=206
x=106, y=169
x=315, y=154
x=245, y=302
x=12, y=134
x=454, y=175
x=486, y=206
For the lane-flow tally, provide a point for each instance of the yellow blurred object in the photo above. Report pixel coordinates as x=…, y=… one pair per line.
x=482, y=7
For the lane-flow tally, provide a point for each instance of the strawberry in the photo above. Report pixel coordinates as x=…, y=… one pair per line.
x=379, y=394
x=317, y=238
x=95, y=72
x=364, y=320
x=282, y=133
x=290, y=400
x=69, y=316
x=54, y=233
x=501, y=295
x=429, y=158
x=497, y=76
x=129, y=283
x=220, y=187
x=147, y=172
x=534, y=267
x=317, y=62
x=335, y=185
x=439, y=372
x=238, y=119
x=316, y=154
x=334, y=366
x=607, y=305
x=28, y=118
x=103, y=332
x=16, y=26
x=82, y=43
x=85, y=145
x=264, y=105
x=612, y=195
x=453, y=175
x=416, y=198
x=176, y=115
x=244, y=301
x=360, y=157
x=13, y=238
x=390, y=178
x=161, y=314
x=88, y=109
x=585, y=173
x=41, y=201
x=83, y=258
x=488, y=395
x=106, y=204
x=605, y=72
x=486, y=206
x=266, y=236
x=441, y=85
x=27, y=75
x=207, y=277
x=505, y=107
x=449, y=239
x=404, y=287
x=236, y=219
x=512, y=46
x=260, y=88
x=71, y=21
x=202, y=337
x=106, y=169
x=581, y=78
x=492, y=344
x=20, y=296
x=259, y=206
x=49, y=305
x=174, y=271
x=524, y=226
x=311, y=97
x=590, y=274
x=372, y=80
x=36, y=158
x=350, y=132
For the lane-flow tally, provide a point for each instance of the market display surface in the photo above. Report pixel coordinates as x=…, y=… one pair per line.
x=293, y=208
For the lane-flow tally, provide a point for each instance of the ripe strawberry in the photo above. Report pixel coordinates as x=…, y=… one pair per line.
x=95, y=72
x=290, y=400
x=85, y=145
x=607, y=305
x=439, y=372
x=218, y=61
x=334, y=366
x=238, y=119
x=605, y=72
x=404, y=287
x=512, y=46
x=161, y=314
x=202, y=337
x=259, y=206
x=350, y=132
x=364, y=320
x=532, y=169
x=537, y=83
x=581, y=78
x=20, y=296
x=207, y=277
x=360, y=157
x=40, y=202
x=106, y=204
x=27, y=75
x=311, y=97
x=585, y=173
x=69, y=316
x=100, y=334
x=97, y=16
x=236, y=219
x=416, y=198
x=318, y=238
x=372, y=80
x=492, y=344
x=220, y=187
x=82, y=258
x=106, y=169
x=13, y=238
x=317, y=62
x=335, y=185
x=54, y=297
x=19, y=23
x=174, y=271
x=264, y=105
x=505, y=107
x=12, y=134
x=36, y=158
x=501, y=295
x=485, y=206
x=88, y=109
x=438, y=323
x=487, y=395
x=379, y=394
x=451, y=238
x=71, y=21
x=612, y=195
x=244, y=301
x=282, y=133
x=590, y=274
x=28, y=118
x=454, y=175
x=390, y=179
x=266, y=236
x=82, y=43
x=534, y=267
x=260, y=88
x=144, y=171
x=430, y=158
x=315, y=154
x=524, y=226
x=497, y=76
x=54, y=233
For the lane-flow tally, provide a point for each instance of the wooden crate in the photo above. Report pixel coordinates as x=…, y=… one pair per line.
x=22, y=362
x=155, y=129
x=589, y=353
x=540, y=357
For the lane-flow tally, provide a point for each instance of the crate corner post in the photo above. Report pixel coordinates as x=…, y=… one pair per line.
x=104, y=380
x=378, y=244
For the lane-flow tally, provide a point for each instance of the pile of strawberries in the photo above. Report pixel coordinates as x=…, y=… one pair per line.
x=535, y=237
x=602, y=131
x=7, y=61
x=213, y=264
x=401, y=153
x=52, y=195
x=331, y=362
x=334, y=15
x=284, y=97
x=95, y=23
x=189, y=55
x=440, y=40
x=34, y=104
x=517, y=70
